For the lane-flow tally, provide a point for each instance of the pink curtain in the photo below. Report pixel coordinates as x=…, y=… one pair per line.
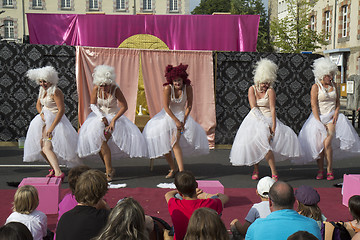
x=200, y=72
x=178, y=32
x=126, y=64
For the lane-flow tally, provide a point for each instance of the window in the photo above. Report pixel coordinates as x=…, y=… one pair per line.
x=147, y=5
x=9, y=29
x=327, y=24
x=65, y=3
x=120, y=4
x=312, y=23
x=37, y=3
x=344, y=20
x=173, y=5
x=93, y=4
x=7, y=3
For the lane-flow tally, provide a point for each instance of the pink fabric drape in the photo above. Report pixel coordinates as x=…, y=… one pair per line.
x=178, y=32
x=200, y=72
x=126, y=64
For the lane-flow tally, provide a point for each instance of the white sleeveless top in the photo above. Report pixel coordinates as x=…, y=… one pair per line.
x=263, y=103
x=326, y=100
x=48, y=103
x=177, y=104
x=109, y=105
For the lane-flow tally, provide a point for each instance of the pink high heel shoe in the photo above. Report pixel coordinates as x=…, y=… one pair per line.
x=51, y=173
x=62, y=177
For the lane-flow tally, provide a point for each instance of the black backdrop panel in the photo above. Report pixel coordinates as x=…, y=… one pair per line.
x=19, y=94
x=234, y=76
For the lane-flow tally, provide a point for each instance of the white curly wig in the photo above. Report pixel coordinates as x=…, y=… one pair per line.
x=323, y=66
x=48, y=74
x=265, y=71
x=104, y=74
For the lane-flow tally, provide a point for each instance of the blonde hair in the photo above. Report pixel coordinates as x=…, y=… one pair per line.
x=323, y=66
x=26, y=199
x=265, y=72
x=104, y=74
x=206, y=224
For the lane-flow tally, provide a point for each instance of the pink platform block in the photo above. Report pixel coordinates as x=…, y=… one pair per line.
x=351, y=186
x=49, y=192
x=212, y=187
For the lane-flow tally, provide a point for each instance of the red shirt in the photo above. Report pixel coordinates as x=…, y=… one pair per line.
x=181, y=211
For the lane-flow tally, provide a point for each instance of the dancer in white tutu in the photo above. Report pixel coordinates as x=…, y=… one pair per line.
x=261, y=135
x=50, y=136
x=106, y=131
x=326, y=132
x=173, y=127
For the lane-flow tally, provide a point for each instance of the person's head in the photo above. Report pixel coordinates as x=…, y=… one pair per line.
x=126, y=221
x=281, y=196
x=308, y=199
x=26, y=199
x=45, y=76
x=91, y=187
x=324, y=68
x=177, y=75
x=74, y=174
x=265, y=73
x=205, y=224
x=264, y=185
x=354, y=207
x=302, y=235
x=185, y=183
x=15, y=231
x=104, y=76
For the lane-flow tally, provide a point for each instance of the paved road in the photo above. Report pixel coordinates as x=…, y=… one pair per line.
x=215, y=166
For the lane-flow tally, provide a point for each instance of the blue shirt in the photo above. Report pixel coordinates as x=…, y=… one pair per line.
x=279, y=225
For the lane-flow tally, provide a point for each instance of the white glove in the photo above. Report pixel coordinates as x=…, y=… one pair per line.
x=258, y=114
x=96, y=110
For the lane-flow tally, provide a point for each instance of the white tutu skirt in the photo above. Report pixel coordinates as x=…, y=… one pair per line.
x=251, y=142
x=345, y=143
x=64, y=140
x=160, y=135
x=126, y=139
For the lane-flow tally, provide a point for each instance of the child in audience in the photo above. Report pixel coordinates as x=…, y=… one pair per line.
x=354, y=207
x=192, y=198
x=26, y=200
x=206, y=224
x=258, y=210
x=126, y=222
x=15, y=231
x=307, y=199
x=302, y=235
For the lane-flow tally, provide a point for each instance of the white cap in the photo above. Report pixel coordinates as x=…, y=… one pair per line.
x=264, y=185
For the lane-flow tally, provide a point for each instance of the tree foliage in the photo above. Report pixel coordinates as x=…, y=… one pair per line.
x=292, y=33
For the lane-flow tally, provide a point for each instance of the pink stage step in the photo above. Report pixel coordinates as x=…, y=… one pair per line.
x=351, y=186
x=49, y=192
x=212, y=187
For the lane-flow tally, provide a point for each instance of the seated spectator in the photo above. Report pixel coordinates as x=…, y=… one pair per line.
x=26, y=200
x=283, y=219
x=192, y=198
x=87, y=219
x=69, y=201
x=126, y=222
x=258, y=210
x=302, y=235
x=206, y=224
x=15, y=231
x=307, y=199
x=354, y=208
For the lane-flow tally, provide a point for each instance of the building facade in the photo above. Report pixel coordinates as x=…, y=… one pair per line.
x=340, y=20
x=13, y=12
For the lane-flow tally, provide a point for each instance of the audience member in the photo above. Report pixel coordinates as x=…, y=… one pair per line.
x=85, y=221
x=206, y=224
x=26, y=200
x=15, y=231
x=354, y=208
x=307, y=199
x=258, y=210
x=126, y=222
x=283, y=220
x=192, y=198
x=302, y=235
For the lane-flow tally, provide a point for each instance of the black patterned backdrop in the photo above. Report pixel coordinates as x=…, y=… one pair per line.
x=234, y=76
x=19, y=95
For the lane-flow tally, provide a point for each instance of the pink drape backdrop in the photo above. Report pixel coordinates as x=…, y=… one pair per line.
x=200, y=72
x=126, y=64
x=178, y=32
